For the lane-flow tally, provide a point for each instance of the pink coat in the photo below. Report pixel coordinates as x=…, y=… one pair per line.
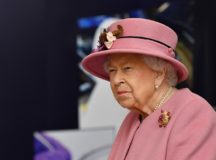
x=189, y=135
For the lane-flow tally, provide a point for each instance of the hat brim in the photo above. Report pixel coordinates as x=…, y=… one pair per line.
x=94, y=62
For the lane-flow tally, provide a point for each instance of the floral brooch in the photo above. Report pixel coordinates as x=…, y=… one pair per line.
x=106, y=38
x=164, y=118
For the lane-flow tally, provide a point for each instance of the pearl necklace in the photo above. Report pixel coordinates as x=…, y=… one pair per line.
x=168, y=92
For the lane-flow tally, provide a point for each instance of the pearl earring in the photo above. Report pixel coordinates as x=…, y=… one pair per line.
x=156, y=86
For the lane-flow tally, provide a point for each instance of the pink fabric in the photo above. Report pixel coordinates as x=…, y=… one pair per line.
x=189, y=135
x=147, y=28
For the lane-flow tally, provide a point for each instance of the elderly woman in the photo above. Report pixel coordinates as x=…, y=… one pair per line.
x=137, y=57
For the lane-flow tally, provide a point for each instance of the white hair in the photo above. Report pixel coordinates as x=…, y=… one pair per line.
x=158, y=64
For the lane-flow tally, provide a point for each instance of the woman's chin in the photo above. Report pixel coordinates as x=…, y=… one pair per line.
x=125, y=102
x=130, y=106
x=127, y=105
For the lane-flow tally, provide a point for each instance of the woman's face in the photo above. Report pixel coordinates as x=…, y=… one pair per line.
x=131, y=80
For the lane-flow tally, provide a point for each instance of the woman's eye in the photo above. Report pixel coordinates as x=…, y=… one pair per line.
x=127, y=68
x=111, y=70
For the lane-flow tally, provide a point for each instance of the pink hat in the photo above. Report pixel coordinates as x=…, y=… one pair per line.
x=135, y=36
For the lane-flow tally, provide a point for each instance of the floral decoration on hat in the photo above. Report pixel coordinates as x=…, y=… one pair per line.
x=164, y=118
x=107, y=38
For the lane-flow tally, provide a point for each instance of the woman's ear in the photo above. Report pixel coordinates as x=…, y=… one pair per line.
x=160, y=76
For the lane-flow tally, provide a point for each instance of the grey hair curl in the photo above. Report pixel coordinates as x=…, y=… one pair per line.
x=158, y=64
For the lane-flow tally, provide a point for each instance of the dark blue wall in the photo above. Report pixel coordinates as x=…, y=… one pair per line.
x=39, y=82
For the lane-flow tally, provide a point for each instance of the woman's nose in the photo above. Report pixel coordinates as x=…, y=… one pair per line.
x=118, y=78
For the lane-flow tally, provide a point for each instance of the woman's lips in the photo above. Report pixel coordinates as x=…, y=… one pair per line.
x=122, y=92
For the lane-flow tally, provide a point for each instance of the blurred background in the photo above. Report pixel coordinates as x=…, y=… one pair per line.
x=43, y=87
